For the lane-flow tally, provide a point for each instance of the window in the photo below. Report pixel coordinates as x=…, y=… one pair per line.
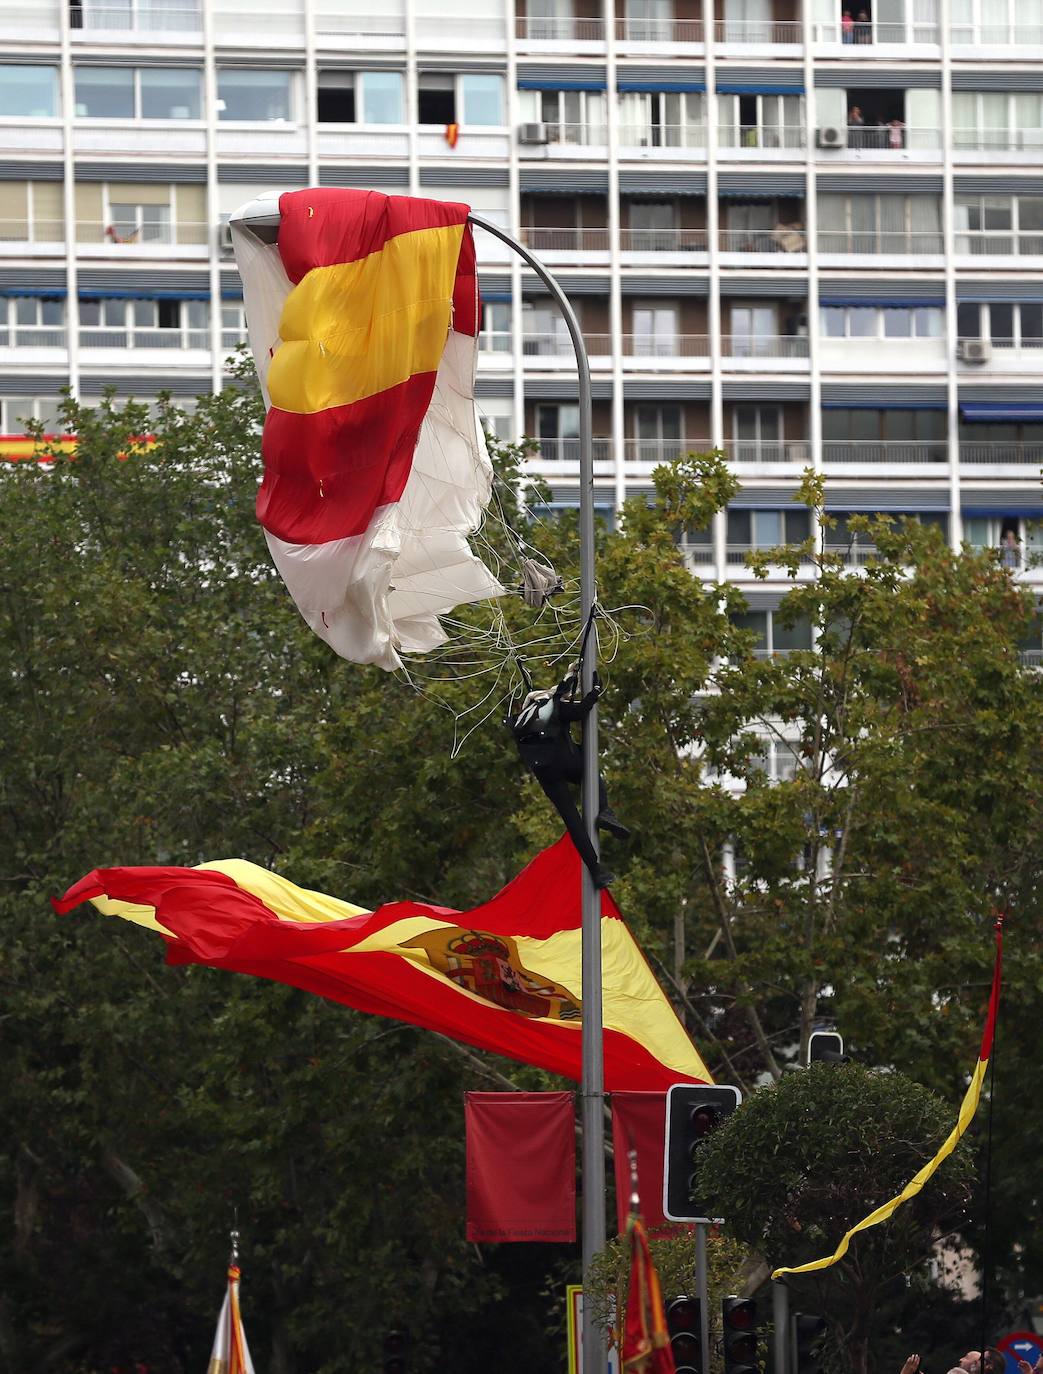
x=649, y=21
x=775, y=632
x=1008, y=324
x=653, y=225
x=132, y=223
x=869, y=434
x=761, y=121
x=754, y=330
x=756, y=433
x=15, y=410
x=138, y=93
x=879, y=224
x=571, y=116
x=659, y=431
x=481, y=99
x=335, y=98
x=767, y=529
x=996, y=119
x=250, y=93
x=883, y=322
x=655, y=328
x=557, y=430
x=666, y=119
x=495, y=336
x=544, y=331
x=28, y=92
x=233, y=324
x=436, y=100
x=999, y=225
x=111, y=323
x=32, y=322
x=381, y=97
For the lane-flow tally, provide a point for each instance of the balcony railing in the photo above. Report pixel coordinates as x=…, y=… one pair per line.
x=656, y=450
x=884, y=451
x=579, y=135
x=736, y=553
x=901, y=242
x=1031, y=658
x=659, y=30
x=144, y=338
x=983, y=243
x=998, y=140
x=759, y=31
x=997, y=35
x=998, y=452
x=762, y=136
x=665, y=346
x=145, y=17
x=886, y=138
x=868, y=33
x=663, y=240
x=559, y=29
x=558, y=344
x=782, y=239
x=494, y=341
x=662, y=136
x=768, y=450
x=855, y=553
x=1013, y=348
x=339, y=25
x=32, y=231
x=566, y=240
x=567, y=450
x=757, y=346
x=32, y=336
x=147, y=236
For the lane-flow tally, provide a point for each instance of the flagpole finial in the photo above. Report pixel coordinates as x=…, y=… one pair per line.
x=233, y=1237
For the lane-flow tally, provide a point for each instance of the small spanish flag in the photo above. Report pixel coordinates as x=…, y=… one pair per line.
x=967, y=1109
x=452, y=134
x=505, y=976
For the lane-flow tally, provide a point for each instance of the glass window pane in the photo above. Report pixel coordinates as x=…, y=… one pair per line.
x=996, y=214
x=795, y=636
x=1030, y=212
x=898, y=323
x=968, y=321
x=836, y=424
x=1001, y=320
x=482, y=99
x=28, y=91
x=738, y=527
x=898, y=424
x=976, y=531
x=861, y=322
x=767, y=528
x=254, y=94
x=105, y=92
x=929, y=424
x=834, y=321
x=865, y=424
x=90, y=313
x=798, y=525
x=929, y=322
x=52, y=312
x=757, y=621
x=382, y=97
x=1031, y=322
x=169, y=93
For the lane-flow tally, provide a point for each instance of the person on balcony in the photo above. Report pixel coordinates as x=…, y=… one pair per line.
x=856, y=125
x=847, y=27
x=1010, y=552
x=863, y=28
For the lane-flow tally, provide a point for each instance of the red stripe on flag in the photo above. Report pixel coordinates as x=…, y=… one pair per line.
x=326, y=473
x=989, y=1032
x=322, y=226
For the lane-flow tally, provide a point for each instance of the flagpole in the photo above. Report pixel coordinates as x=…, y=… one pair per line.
x=592, y=1086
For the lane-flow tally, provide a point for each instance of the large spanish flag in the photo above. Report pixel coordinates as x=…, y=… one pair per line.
x=504, y=976
x=363, y=321
x=968, y=1107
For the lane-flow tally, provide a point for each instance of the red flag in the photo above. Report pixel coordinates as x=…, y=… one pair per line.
x=521, y=1166
x=639, y=1123
x=646, y=1341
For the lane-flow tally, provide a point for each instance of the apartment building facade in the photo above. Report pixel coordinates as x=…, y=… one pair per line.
x=808, y=237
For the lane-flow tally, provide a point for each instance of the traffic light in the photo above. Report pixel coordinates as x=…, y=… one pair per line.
x=826, y=1047
x=806, y=1334
x=693, y=1113
x=395, y=1346
x=740, y=1336
x=683, y=1321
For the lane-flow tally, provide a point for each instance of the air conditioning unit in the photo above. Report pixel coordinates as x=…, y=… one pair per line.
x=974, y=350
x=831, y=136
x=533, y=134
x=224, y=236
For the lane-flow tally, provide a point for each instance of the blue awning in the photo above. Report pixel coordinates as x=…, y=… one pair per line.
x=745, y=88
x=495, y=295
x=878, y=304
x=1001, y=412
x=884, y=404
x=45, y=293
x=655, y=87
x=108, y=293
x=526, y=83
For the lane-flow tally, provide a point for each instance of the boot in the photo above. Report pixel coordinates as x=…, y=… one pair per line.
x=608, y=820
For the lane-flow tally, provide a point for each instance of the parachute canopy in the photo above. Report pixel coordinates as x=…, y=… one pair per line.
x=363, y=320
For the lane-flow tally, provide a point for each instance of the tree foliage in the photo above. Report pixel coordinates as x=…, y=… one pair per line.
x=163, y=703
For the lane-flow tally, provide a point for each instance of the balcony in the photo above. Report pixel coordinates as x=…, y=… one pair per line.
x=984, y=243
x=32, y=336
x=494, y=341
x=143, y=17
x=567, y=450
x=854, y=553
x=876, y=33
x=762, y=452
x=657, y=137
x=145, y=338
x=663, y=240
x=759, y=32
x=759, y=139
x=891, y=451
x=549, y=240
x=558, y=28
x=649, y=30
x=990, y=142
x=737, y=554
x=153, y=240
x=1021, y=355
x=997, y=36
x=49, y=232
x=784, y=238
x=361, y=31
x=993, y=452
x=889, y=242
x=37, y=22
x=756, y=347
x=648, y=348
x=568, y=135
x=887, y=138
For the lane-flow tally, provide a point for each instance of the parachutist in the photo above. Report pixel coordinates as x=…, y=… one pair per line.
x=543, y=735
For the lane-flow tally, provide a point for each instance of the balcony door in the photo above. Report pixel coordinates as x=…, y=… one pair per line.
x=656, y=330
x=747, y=21
x=548, y=20
x=756, y=433
x=653, y=226
x=754, y=330
x=649, y=21
x=557, y=429
x=659, y=430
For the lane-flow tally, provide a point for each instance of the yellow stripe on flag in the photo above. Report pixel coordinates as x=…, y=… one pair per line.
x=967, y=1109
x=357, y=328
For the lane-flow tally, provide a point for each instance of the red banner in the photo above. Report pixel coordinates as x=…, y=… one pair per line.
x=639, y=1123
x=521, y=1166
